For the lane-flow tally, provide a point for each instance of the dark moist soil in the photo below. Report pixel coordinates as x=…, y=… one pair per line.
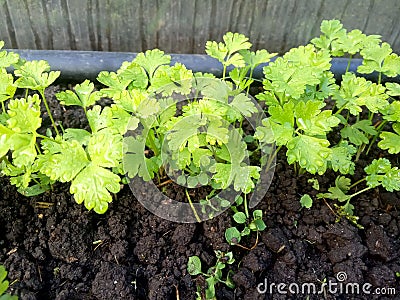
x=67, y=252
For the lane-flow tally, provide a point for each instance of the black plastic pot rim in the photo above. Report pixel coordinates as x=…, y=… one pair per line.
x=80, y=65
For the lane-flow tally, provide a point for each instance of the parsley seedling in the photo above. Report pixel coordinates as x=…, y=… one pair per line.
x=165, y=120
x=213, y=275
x=254, y=223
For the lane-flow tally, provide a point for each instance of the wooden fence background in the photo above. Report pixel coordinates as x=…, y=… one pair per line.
x=183, y=26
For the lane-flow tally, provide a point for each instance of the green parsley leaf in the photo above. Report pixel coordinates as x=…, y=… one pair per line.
x=288, y=78
x=332, y=33
x=355, y=92
x=80, y=135
x=83, y=96
x=244, y=105
x=254, y=59
x=24, y=114
x=357, y=133
x=391, y=141
x=135, y=162
x=62, y=161
x=281, y=123
x=98, y=118
x=311, y=120
x=93, y=186
x=235, y=171
x=7, y=89
x=341, y=158
x=352, y=43
x=19, y=134
x=105, y=148
x=391, y=112
x=7, y=58
x=342, y=185
x=167, y=80
x=393, y=89
x=135, y=74
x=381, y=59
x=35, y=75
x=151, y=60
x=380, y=172
x=306, y=201
x=225, y=52
x=183, y=129
x=310, y=152
x=116, y=85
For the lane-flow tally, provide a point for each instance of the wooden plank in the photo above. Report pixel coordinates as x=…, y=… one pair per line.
x=152, y=22
x=24, y=37
x=125, y=25
x=7, y=31
x=79, y=31
x=39, y=24
x=383, y=19
x=203, y=18
x=59, y=27
x=182, y=26
x=175, y=19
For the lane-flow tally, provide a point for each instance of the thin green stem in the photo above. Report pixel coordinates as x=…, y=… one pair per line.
x=246, y=209
x=48, y=111
x=251, y=77
x=282, y=100
x=192, y=206
x=356, y=183
x=348, y=63
x=36, y=181
x=150, y=138
x=378, y=129
x=44, y=137
x=381, y=125
x=371, y=143
x=379, y=77
x=272, y=157
x=359, y=151
x=225, y=66
x=38, y=148
x=360, y=192
x=62, y=128
x=301, y=170
x=340, y=109
x=371, y=116
x=3, y=107
x=224, y=73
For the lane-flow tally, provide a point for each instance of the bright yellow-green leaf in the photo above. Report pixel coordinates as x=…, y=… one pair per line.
x=35, y=75
x=63, y=161
x=94, y=186
x=311, y=153
x=83, y=96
